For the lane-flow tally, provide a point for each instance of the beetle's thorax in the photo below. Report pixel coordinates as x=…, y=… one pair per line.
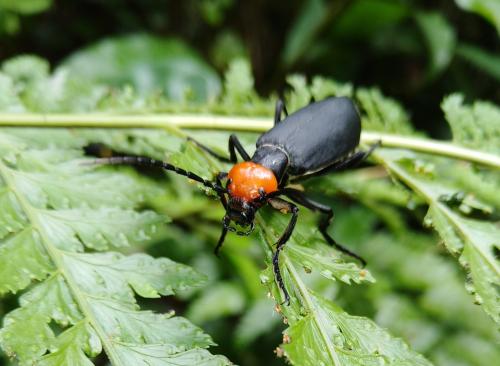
x=273, y=157
x=249, y=180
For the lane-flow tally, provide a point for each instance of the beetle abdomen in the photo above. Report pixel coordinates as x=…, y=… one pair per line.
x=316, y=135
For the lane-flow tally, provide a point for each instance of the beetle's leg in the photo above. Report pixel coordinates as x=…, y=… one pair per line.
x=351, y=162
x=148, y=162
x=284, y=181
x=286, y=207
x=210, y=151
x=223, y=200
x=234, y=143
x=221, y=241
x=356, y=158
x=222, y=196
x=300, y=198
x=280, y=108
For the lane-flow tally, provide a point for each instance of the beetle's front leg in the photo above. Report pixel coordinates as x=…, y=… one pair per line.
x=285, y=207
x=223, y=200
x=218, y=180
x=234, y=145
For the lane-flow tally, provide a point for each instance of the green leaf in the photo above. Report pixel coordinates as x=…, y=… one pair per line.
x=9, y=100
x=26, y=248
x=366, y=18
x=476, y=125
x=25, y=70
x=329, y=336
x=209, y=306
x=36, y=90
x=465, y=349
x=9, y=23
x=213, y=11
x=488, y=9
x=483, y=60
x=310, y=19
x=301, y=93
x=257, y=321
x=474, y=241
x=438, y=300
x=239, y=94
x=239, y=83
x=99, y=229
x=422, y=333
x=159, y=355
x=228, y=46
x=66, y=349
x=440, y=38
x=380, y=113
x=83, y=303
x=320, y=332
x=12, y=218
x=25, y=6
x=149, y=64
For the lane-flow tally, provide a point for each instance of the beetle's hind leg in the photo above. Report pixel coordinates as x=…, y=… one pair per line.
x=278, y=111
x=286, y=207
x=353, y=160
x=301, y=199
x=234, y=145
x=350, y=162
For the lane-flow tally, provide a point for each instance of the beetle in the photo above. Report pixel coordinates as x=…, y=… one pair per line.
x=318, y=139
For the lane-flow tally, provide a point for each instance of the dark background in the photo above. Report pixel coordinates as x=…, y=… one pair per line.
x=376, y=42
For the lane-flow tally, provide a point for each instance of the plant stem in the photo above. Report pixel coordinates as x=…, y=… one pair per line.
x=255, y=124
x=432, y=147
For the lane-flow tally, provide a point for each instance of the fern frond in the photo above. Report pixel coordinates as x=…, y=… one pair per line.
x=380, y=113
x=319, y=331
x=476, y=126
x=81, y=292
x=53, y=209
x=443, y=184
x=471, y=239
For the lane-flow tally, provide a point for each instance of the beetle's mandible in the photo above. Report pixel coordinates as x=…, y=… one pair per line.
x=318, y=139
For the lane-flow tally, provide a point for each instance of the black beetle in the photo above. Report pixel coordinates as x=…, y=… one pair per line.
x=315, y=140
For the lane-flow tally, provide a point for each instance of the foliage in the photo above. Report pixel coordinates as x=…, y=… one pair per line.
x=150, y=64
x=489, y=9
x=73, y=219
x=11, y=9
x=52, y=209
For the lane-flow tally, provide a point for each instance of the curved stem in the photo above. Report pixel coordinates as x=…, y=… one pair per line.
x=432, y=147
x=254, y=124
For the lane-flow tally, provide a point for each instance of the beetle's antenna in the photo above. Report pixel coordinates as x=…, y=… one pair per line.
x=148, y=162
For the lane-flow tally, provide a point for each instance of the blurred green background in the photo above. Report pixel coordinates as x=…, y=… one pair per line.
x=414, y=51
